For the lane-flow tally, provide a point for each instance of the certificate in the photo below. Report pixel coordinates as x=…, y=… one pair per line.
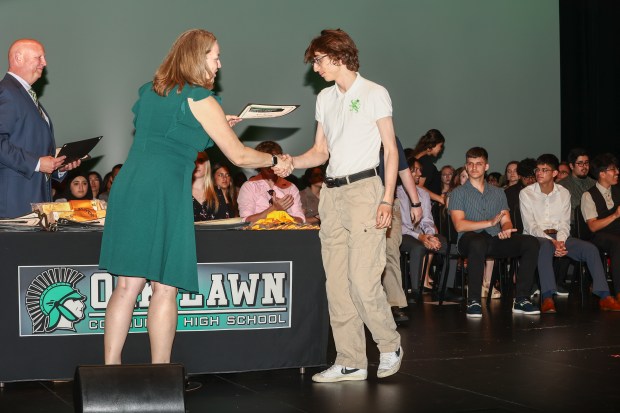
x=255, y=110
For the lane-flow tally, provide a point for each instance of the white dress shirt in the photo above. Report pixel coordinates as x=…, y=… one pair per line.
x=540, y=211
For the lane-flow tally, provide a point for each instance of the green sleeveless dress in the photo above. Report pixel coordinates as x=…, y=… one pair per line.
x=149, y=229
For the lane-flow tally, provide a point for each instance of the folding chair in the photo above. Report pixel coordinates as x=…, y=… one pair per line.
x=446, y=228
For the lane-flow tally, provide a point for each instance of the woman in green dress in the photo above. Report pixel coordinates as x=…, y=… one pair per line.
x=149, y=231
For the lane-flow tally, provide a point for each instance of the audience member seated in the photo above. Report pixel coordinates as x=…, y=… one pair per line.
x=447, y=173
x=578, y=181
x=480, y=215
x=95, y=182
x=427, y=151
x=600, y=206
x=545, y=210
x=106, y=185
x=459, y=178
x=563, y=171
x=108, y=180
x=525, y=170
x=266, y=192
x=511, y=177
x=77, y=188
x=422, y=237
x=226, y=192
x=493, y=178
x=310, y=196
x=204, y=199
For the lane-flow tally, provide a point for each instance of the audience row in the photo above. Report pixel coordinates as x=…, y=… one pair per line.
x=544, y=196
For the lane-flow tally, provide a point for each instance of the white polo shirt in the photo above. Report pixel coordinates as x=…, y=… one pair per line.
x=349, y=122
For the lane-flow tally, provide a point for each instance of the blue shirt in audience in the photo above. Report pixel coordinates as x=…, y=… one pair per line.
x=479, y=206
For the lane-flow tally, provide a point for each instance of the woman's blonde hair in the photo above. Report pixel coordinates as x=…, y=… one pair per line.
x=209, y=185
x=186, y=63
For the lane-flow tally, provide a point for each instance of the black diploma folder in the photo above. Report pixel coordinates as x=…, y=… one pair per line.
x=78, y=149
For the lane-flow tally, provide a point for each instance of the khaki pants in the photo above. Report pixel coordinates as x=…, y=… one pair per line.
x=392, y=276
x=353, y=252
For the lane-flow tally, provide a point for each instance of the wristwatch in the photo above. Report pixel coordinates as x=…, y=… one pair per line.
x=274, y=160
x=416, y=205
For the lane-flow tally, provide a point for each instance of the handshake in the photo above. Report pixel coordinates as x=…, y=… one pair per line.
x=284, y=167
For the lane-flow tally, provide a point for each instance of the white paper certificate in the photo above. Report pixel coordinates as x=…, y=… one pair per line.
x=255, y=110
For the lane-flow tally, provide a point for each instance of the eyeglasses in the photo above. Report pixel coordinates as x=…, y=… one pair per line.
x=542, y=170
x=222, y=175
x=416, y=169
x=271, y=192
x=613, y=169
x=317, y=60
x=582, y=163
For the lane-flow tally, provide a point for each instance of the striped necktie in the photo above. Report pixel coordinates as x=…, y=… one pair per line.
x=36, y=101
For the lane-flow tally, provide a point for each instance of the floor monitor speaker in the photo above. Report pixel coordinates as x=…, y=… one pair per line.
x=143, y=388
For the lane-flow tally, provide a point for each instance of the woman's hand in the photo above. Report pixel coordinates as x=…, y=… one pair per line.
x=233, y=120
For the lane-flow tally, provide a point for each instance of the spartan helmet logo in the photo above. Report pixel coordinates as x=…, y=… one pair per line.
x=53, y=301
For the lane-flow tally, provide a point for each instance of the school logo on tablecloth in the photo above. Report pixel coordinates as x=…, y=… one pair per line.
x=72, y=299
x=54, y=302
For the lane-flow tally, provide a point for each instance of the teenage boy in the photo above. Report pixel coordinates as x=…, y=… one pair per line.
x=546, y=211
x=480, y=215
x=600, y=206
x=354, y=117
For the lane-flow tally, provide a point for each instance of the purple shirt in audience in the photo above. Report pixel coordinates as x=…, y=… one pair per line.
x=427, y=225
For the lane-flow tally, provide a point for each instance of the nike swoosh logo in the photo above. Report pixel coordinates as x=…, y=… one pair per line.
x=348, y=371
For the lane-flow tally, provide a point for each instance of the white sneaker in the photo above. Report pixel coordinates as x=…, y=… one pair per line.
x=338, y=372
x=389, y=363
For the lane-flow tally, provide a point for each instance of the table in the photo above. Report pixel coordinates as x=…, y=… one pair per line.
x=300, y=343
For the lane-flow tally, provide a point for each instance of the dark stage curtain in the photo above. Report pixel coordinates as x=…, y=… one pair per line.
x=590, y=75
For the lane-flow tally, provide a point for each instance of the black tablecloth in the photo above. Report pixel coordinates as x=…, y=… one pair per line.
x=41, y=356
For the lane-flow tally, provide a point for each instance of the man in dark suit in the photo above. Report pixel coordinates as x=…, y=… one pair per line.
x=27, y=146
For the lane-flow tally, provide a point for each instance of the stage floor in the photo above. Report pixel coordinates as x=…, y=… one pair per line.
x=569, y=361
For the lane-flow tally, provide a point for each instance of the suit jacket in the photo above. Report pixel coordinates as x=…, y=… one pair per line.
x=24, y=137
